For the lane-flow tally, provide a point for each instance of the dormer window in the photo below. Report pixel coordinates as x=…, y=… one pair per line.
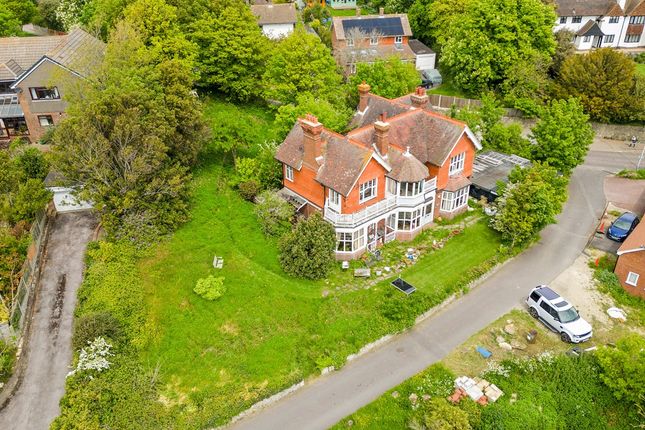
x=374, y=40
x=398, y=40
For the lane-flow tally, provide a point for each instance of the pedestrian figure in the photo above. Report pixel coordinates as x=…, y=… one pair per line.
x=632, y=144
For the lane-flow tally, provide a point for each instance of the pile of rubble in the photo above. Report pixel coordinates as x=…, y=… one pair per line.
x=479, y=390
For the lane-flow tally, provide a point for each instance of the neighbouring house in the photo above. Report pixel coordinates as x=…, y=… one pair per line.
x=603, y=23
x=424, y=57
x=276, y=20
x=490, y=168
x=340, y=4
x=363, y=39
x=32, y=73
x=630, y=267
x=401, y=167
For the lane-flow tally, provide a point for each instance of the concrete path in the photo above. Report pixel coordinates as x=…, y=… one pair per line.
x=328, y=399
x=48, y=347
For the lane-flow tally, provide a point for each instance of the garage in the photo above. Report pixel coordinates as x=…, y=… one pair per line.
x=425, y=57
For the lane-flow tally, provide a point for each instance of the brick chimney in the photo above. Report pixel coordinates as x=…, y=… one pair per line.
x=363, y=94
x=419, y=99
x=381, y=129
x=312, y=130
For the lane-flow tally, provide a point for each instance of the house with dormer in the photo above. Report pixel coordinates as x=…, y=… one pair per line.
x=400, y=168
x=32, y=71
x=364, y=39
x=603, y=23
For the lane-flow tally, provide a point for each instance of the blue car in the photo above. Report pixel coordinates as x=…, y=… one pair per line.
x=624, y=224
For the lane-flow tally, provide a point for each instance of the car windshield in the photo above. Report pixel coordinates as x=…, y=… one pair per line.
x=622, y=224
x=569, y=315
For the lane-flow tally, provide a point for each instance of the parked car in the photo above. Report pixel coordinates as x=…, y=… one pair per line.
x=558, y=315
x=430, y=78
x=624, y=224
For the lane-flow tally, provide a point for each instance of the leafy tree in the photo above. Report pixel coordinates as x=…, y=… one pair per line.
x=274, y=214
x=315, y=11
x=232, y=49
x=562, y=135
x=607, y=84
x=525, y=87
x=389, y=78
x=70, y=12
x=563, y=50
x=119, y=138
x=47, y=15
x=30, y=198
x=308, y=250
x=33, y=163
x=21, y=194
x=13, y=250
x=529, y=202
x=262, y=168
x=482, y=39
x=9, y=22
x=22, y=11
x=623, y=368
x=301, y=63
x=333, y=117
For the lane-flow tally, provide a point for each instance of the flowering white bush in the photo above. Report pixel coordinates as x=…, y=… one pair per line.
x=69, y=12
x=495, y=368
x=94, y=356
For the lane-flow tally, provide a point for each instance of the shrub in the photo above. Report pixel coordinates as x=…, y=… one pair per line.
x=93, y=325
x=7, y=358
x=210, y=288
x=632, y=174
x=623, y=368
x=441, y=415
x=33, y=163
x=94, y=356
x=308, y=250
x=249, y=189
x=274, y=214
x=403, y=309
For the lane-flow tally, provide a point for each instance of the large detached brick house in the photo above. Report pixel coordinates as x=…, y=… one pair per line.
x=32, y=70
x=401, y=167
x=630, y=267
x=364, y=39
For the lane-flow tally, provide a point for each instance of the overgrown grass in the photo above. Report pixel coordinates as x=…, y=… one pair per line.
x=608, y=283
x=632, y=174
x=7, y=359
x=209, y=360
x=640, y=68
x=551, y=391
x=447, y=88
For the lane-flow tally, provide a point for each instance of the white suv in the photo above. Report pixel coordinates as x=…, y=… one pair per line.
x=558, y=314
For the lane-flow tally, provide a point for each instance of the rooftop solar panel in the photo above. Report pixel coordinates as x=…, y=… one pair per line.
x=389, y=26
x=548, y=293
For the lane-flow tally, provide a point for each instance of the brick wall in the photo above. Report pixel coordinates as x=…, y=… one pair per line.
x=632, y=262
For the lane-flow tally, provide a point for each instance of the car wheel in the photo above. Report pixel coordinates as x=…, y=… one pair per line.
x=565, y=338
x=533, y=312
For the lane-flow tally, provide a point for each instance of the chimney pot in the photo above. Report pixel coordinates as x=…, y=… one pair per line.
x=381, y=132
x=419, y=99
x=311, y=130
x=364, y=94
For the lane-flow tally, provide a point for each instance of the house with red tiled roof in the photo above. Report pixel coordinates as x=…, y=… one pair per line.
x=400, y=168
x=603, y=23
x=630, y=267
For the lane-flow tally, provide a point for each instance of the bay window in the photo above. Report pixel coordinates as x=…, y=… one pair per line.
x=409, y=220
x=451, y=201
x=359, y=239
x=344, y=241
x=409, y=189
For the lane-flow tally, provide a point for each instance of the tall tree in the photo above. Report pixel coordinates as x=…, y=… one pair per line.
x=563, y=50
x=607, y=84
x=334, y=117
x=562, y=135
x=232, y=49
x=117, y=140
x=480, y=44
x=389, y=78
x=529, y=202
x=301, y=63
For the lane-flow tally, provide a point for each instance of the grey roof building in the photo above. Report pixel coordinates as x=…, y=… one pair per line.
x=491, y=167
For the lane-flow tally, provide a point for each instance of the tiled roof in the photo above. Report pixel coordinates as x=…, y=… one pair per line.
x=635, y=7
x=367, y=54
x=430, y=136
x=19, y=54
x=419, y=48
x=379, y=23
x=635, y=241
x=376, y=105
x=585, y=7
x=456, y=183
x=590, y=28
x=405, y=167
x=284, y=13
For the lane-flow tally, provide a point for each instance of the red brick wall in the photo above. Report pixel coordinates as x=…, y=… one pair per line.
x=632, y=262
x=305, y=184
x=442, y=173
x=373, y=170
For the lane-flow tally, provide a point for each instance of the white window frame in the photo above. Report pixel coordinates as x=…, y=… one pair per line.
x=288, y=173
x=344, y=241
x=47, y=123
x=359, y=239
x=576, y=19
x=634, y=276
x=457, y=163
x=390, y=186
x=451, y=201
x=410, y=189
x=334, y=200
x=563, y=20
x=632, y=38
x=34, y=94
x=372, y=185
x=398, y=39
x=428, y=214
x=586, y=39
x=374, y=40
x=609, y=38
x=614, y=19
x=637, y=19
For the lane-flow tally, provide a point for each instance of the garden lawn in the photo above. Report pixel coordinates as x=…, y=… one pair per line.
x=269, y=330
x=640, y=67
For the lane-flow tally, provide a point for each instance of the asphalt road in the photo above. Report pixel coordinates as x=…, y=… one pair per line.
x=49, y=352
x=323, y=402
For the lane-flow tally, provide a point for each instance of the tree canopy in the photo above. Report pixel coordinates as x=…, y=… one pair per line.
x=562, y=135
x=481, y=40
x=607, y=84
x=389, y=78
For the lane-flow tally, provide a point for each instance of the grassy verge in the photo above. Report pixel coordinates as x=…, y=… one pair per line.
x=342, y=12
x=542, y=390
x=192, y=363
x=640, y=68
x=632, y=174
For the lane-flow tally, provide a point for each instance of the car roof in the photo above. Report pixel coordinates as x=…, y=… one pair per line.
x=627, y=216
x=547, y=292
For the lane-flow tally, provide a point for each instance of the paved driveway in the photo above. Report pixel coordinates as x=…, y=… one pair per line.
x=328, y=399
x=35, y=403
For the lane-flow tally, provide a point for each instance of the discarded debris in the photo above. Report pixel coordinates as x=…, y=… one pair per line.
x=617, y=313
x=479, y=390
